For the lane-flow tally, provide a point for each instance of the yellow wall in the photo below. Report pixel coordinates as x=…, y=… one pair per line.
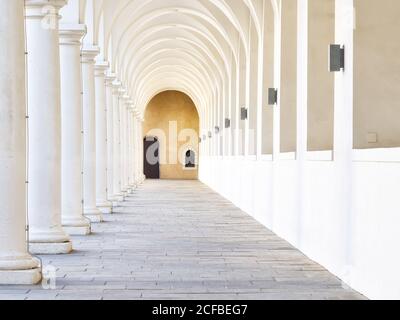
x=320, y=80
x=377, y=74
x=166, y=107
x=289, y=77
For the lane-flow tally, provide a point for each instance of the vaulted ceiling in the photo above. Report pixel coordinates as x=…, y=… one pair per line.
x=196, y=46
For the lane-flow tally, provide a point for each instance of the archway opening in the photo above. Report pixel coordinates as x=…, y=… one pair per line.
x=172, y=117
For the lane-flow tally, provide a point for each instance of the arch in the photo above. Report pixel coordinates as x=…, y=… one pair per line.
x=173, y=115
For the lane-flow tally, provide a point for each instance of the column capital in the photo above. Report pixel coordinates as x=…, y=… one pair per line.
x=72, y=34
x=110, y=78
x=139, y=116
x=89, y=54
x=100, y=69
x=121, y=91
x=116, y=85
x=39, y=9
x=125, y=97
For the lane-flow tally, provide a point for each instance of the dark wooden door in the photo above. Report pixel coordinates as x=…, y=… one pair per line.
x=151, y=158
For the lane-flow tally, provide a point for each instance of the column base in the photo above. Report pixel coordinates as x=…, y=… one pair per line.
x=20, y=277
x=117, y=198
x=94, y=215
x=48, y=248
x=116, y=204
x=105, y=207
x=77, y=227
x=78, y=231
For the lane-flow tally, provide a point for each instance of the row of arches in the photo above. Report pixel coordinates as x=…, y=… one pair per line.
x=226, y=56
x=211, y=50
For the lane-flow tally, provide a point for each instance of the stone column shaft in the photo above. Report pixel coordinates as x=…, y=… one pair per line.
x=110, y=136
x=44, y=103
x=89, y=133
x=124, y=172
x=137, y=146
x=131, y=175
x=118, y=196
x=73, y=220
x=141, y=152
x=101, y=139
x=16, y=265
x=139, y=149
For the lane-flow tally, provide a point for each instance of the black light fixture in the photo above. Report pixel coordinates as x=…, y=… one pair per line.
x=336, y=58
x=244, y=114
x=217, y=130
x=272, y=96
x=227, y=123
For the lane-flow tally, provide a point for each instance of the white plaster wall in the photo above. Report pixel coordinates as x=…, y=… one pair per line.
x=361, y=249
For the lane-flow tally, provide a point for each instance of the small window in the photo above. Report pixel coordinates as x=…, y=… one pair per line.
x=190, y=159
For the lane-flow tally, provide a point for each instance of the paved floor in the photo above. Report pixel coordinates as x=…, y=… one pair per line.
x=180, y=240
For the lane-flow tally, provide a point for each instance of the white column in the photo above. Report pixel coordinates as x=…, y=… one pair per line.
x=73, y=220
x=44, y=102
x=343, y=142
x=118, y=196
x=135, y=148
x=101, y=139
x=128, y=146
x=124, y=117
x=140, y=154
x=16, y=265
x=302, y=113
x=131, y=175
x=136, y=144
x=109, y=79
x=89, y=133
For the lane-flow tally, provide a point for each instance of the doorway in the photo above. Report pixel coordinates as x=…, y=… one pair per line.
x=151, y=158
x=190, y=159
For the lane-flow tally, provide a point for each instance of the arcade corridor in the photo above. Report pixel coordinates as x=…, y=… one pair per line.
x=288, y=109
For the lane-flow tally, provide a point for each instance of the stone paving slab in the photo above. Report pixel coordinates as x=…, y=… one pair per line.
x=175, y=240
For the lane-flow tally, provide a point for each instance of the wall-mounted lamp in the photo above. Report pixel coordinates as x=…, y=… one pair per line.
x=210, y=134
x=336, y=58
x=227, y=123
x=272, y=96
x=244, y=114
x=216, y=130
x=204, y=137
